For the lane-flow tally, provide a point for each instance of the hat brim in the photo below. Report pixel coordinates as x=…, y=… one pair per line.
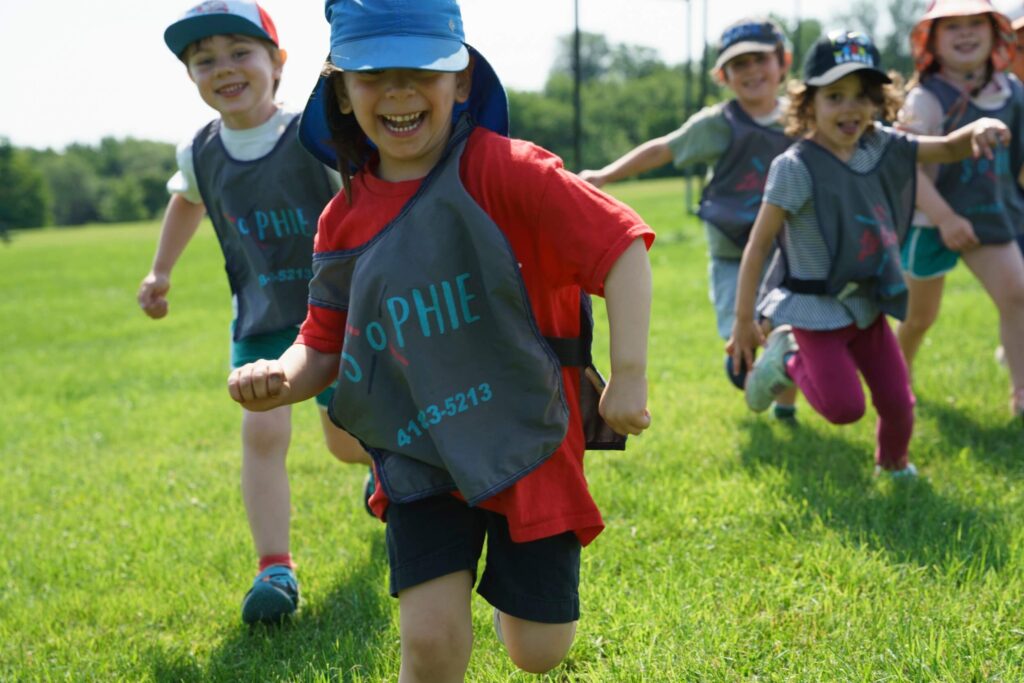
x=183, y=33
x=411, y=52
x=743, y=48
x=843, y=70
x=487, y=104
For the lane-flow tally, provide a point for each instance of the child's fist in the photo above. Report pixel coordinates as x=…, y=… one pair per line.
x=260, y=385
x=152, y=296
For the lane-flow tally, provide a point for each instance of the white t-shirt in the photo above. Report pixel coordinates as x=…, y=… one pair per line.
x=241, y=144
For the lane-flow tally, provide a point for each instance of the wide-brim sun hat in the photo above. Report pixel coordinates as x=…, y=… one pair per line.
x=369, y=35
x=220, y=17
x=745, y=37
x=1004, y=44
x=838, y=54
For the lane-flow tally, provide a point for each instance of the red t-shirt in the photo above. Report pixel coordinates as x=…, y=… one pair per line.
x=566, y=235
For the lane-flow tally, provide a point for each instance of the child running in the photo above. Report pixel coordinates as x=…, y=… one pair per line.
x=839, y=200
x=263, y=192
x=447, y=277
x=972, y=210
x=738, y=138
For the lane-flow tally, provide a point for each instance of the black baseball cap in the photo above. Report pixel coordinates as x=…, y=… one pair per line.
x=841, y=53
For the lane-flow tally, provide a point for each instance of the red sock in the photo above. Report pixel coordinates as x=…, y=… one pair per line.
x=270, y=560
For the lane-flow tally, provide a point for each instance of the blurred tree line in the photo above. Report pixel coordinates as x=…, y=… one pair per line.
x=629, y=95
x=115, y=181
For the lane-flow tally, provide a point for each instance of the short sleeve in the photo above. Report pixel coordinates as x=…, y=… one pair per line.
x=184, y=182
x=789, y=183
x=921, y=113
x=704, y=138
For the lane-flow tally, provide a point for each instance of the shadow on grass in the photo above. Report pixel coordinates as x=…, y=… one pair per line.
x=908, y=520
x=998, y=447
x=340, y=634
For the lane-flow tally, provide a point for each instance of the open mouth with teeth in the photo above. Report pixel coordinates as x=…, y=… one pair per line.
x=402, y=123
x=231, y=90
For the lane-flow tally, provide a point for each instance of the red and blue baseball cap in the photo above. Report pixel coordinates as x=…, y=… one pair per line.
x=369, y=35
x=220, y=17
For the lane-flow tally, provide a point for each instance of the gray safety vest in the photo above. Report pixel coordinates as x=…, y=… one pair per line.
x=731, y=200
x=984, y=191
x=444, y=375
x=863, y=218
x=264, y=212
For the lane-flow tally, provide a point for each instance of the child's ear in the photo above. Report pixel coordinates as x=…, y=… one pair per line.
x=464, y=82
x=282, y=55
x=337, y=85
x=787, y=62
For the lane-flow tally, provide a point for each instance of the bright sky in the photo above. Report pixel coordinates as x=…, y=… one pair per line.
x=76, y=71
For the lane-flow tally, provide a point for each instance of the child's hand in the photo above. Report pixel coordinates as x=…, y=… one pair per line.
x=595, y=178
x=258, y=386
x=957, y=233
x=152, y=296
x=624, y=404
x=746, y=336
x=987, y=135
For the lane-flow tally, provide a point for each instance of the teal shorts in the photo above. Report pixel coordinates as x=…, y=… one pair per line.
x=924, y=255
x=270, y=345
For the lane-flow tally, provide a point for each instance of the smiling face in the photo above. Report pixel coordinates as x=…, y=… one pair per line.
x=842, y=112
x=235, y=75
x=755, y=78
x=406, y=113
x=963, y=44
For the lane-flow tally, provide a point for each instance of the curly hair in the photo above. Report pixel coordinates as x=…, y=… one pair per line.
x=887, y=97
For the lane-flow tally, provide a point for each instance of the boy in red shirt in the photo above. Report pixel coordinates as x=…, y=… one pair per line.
x=447, y=286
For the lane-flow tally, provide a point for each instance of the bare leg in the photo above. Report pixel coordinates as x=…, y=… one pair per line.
x=787, y=397
x=925, y=297
x=265, y=438
x=436, y=628
x=341, y=444
x=1000, y=269
x=535, y=647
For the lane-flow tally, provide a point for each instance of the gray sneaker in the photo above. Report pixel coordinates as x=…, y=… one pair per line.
x=908, y=473
x=768, y=378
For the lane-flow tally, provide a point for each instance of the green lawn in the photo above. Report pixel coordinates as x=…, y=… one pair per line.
x=736, y=549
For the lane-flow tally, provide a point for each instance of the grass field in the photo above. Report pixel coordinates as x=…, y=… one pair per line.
x=736, y=549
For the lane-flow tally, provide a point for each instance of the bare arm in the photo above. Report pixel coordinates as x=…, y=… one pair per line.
x=976, y=139
x=300, y=373
x=627, y=291
x=746, y=335
x=955, y=230
x=651, y=154
x=181, y=219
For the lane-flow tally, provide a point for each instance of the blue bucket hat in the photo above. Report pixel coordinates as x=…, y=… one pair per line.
x=400, y=34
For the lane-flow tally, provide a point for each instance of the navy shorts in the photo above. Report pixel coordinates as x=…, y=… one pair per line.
x=430, y=538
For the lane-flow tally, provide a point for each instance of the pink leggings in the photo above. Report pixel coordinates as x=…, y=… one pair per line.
x=825, y=368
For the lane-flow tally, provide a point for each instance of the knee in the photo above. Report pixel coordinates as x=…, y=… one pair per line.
x=918, y=322
x=537, y=648
x=345, y=448
x=267, y=432
x=844, y=412
x=1010, y=299
x=440, y=652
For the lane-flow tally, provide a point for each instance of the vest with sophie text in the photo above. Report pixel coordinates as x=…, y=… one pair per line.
x=265, y=213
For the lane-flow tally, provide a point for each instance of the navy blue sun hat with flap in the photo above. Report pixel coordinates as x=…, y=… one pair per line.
x=369, y=35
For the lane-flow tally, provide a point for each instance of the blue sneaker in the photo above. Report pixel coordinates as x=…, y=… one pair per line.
x=908, y=473
x=768, y=378
x=273, y=597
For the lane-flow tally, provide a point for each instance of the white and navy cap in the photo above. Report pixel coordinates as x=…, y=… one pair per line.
x=220, y=17
x=748, y=36
x=841, y=53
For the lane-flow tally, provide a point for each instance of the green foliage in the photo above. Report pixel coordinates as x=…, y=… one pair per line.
x=115, y=181
x=735, y=548
x=23, y=193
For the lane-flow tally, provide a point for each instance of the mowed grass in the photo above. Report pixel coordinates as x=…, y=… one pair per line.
x=736, y=548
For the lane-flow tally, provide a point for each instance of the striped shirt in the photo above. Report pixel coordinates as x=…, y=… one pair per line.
x=791, y=188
